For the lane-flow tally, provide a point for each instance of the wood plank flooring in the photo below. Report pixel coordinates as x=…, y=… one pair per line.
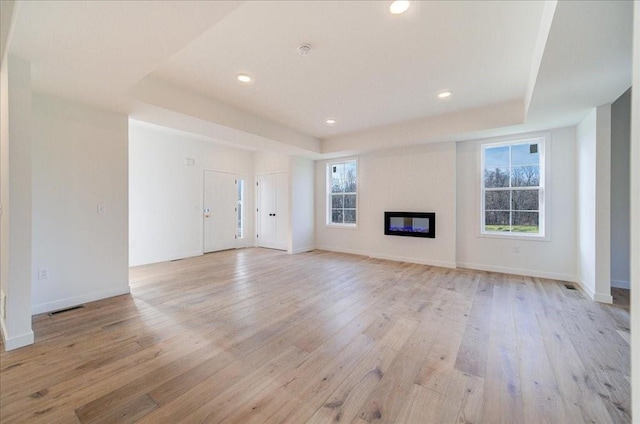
x=259, y=336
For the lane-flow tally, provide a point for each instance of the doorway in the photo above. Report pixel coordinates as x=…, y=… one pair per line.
x=223, y=211
x=273, y=210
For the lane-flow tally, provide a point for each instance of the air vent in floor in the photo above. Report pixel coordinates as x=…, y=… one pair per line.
x=73, y=308
x=570, y=287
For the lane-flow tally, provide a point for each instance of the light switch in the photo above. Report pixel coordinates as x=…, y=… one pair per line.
x=100, y=208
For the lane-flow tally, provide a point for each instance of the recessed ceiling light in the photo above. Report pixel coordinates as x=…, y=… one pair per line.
x=444, y=94
x=245, y=78
x=330, y=121
x=399, y=6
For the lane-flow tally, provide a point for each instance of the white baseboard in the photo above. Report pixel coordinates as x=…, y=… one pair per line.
x=177, y=256
x=598, y=297
x=586, y=289
x=76, y=300
x=348, y=251
x=603, y=298
x=15, y=342
x=412, y=260
x=519, y=271
x=302, y=250
x=420, y=261
x=620, y=284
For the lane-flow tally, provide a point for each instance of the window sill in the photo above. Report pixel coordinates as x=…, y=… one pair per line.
x=511, y=236
x=343, y=226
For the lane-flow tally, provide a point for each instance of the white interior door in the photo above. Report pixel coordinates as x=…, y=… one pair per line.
x=273, y=208
x=266, y=211
x=219, y=215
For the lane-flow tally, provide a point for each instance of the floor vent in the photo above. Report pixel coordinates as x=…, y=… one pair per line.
x=73, y=308
x=570, y=287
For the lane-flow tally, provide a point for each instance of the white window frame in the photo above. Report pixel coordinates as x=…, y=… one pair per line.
x=328, y=194
x=544, y=199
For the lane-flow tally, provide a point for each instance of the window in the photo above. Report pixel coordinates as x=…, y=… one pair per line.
x=342, y=193
x=240, y=209
x=513, y=188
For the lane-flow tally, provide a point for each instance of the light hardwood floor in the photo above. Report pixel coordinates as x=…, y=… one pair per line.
x=259, y=336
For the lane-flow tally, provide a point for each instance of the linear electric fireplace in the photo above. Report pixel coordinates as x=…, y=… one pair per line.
x=411, y=224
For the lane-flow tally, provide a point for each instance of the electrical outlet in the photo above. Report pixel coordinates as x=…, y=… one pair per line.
x=43, y=273
x=516, y=249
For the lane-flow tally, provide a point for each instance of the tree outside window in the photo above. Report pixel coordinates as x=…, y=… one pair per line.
x=342, y=184
x=513, y=188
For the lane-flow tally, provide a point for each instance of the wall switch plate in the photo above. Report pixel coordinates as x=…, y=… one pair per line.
x=100, y=208
x=43, y=273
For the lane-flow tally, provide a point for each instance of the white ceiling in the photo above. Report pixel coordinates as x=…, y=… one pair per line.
x=367, y=67
x=174, y=63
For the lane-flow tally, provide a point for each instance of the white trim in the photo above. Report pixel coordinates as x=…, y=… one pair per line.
x=77, y=300
x=339, y=250
x=241, y=242
x=518, y=271
x=16, y=342
x=302, y=250
x=514, y=236
x=620, y=284
x=544, y=207
x=586, y=289
x=284, y=171
x=175, y=257
x=344, y=226
x=597, y=297
x=327, y=196
x=420, y=261
x=603, y=298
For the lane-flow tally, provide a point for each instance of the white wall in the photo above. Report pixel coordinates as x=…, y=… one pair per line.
x=586, y=193
x=554, y=257
x=6, y=14
x=635, y=221
x=266, y=162
x=603, y=205
x=165, y=195
x=79, y=162
x=302, y=231
x=593, y=147
x=413, y=179
x=620, y=180
x=16, y=201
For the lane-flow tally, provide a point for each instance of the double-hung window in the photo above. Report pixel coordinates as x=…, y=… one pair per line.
x=342, y=193
x=513, y=188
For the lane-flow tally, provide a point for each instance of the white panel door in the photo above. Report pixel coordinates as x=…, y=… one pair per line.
x=266, y=211
x=273, y=210
x=219, y=215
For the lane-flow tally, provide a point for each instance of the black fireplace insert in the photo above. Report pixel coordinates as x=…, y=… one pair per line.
x=411, y=224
